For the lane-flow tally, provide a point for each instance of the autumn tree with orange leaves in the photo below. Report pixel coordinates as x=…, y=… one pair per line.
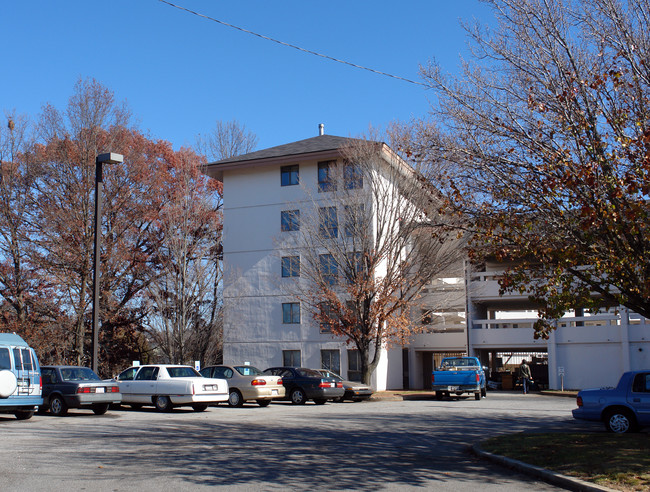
x=47, y=230
x=545, y=141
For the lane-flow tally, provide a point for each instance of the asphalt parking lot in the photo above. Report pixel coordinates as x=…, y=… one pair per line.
x=377, y=445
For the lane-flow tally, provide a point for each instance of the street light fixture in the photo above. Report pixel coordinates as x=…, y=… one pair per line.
x=108, y=158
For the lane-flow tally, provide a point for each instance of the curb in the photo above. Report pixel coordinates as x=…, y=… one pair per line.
x=548, y=476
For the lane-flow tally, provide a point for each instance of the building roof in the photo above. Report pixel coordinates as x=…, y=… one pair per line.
x=321, y=147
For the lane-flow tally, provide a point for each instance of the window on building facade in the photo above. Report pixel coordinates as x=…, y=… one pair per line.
x=331, y=360
x=326, y=313
x=356, y=267
x=352, y=176
x=353, y=216
x=328, y=269
x=328, y=222
x=291, y=312
x=354, y=365
x=289, y=175
x=291, y=266
x=326, y=181
x=291, y=358
x=290, y=220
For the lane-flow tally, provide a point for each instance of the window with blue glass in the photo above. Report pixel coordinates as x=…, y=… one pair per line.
x=329, y=223
x=329, y=269
x=352, y=176
x=290, y=220
x=289, y=175
x=291, y=266
x=291, y=312
x=326, y=181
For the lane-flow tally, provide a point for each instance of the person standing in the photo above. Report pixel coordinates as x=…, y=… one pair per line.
x=525, y=376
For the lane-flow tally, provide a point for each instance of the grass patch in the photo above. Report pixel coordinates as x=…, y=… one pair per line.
x=619, y=461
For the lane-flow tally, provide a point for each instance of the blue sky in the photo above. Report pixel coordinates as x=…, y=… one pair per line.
x=180, y=73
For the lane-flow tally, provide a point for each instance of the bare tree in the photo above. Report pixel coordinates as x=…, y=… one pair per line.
x=185, y=323
x=372, y=238
x=545, y=137
x=227, y=139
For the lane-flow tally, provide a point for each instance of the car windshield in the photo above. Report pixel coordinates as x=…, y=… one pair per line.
x=248, y=371
x=183, y=372
x=78, y=374
x=310, y=373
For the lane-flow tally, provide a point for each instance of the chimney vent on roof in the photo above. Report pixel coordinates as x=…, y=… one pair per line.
x=321, y=129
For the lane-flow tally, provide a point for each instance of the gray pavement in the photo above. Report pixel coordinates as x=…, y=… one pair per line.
x=377, y=445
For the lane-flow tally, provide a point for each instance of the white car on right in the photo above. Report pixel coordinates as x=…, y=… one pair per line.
x=166, y=386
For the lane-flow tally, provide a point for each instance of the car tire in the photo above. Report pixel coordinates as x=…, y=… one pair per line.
x=58, y=406
x=298, y=397
x=235, y=399
x=620, y=421
x=199, y=407
x=100, y=409
x=163, y=404
x=264, y=403
x=320, y=401
x=24, y=415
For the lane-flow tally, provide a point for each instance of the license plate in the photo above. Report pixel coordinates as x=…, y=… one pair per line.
x=99, y=390
x=274, y=392
x=452, y=388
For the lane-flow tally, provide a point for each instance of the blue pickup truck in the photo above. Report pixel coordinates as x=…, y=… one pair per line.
x=625, y=408
x=458, y=375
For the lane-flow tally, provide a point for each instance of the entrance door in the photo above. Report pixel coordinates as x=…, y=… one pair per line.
x=427, y=369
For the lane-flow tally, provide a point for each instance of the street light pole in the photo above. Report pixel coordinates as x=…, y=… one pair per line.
x=108, y=158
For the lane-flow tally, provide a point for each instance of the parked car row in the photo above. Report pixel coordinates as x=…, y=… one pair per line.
x=167, y=386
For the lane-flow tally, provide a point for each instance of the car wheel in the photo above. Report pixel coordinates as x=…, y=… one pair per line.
x=320, y=401
x=263, y=403
x=298, y=397
x=100, y=409
x=58, y=406
x=477, y=395
x=620, y=421
x=24, y=415
x=199, y=407
x=163, y=404
x=235, y=399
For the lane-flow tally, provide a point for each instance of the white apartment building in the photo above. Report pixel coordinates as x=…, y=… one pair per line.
x=264, y=192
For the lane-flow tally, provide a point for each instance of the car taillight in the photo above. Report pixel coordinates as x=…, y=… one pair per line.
x=478, y=377
x=83, y=389
x=258, y=382
x=280, y=381
x=579, y=401
x=113, y=389
x=40, y=383
x=339, y=384
x=433, y=378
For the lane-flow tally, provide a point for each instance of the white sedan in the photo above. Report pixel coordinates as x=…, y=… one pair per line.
x=166, y=386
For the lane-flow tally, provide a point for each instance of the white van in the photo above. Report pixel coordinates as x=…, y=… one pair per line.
x=20, y=377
